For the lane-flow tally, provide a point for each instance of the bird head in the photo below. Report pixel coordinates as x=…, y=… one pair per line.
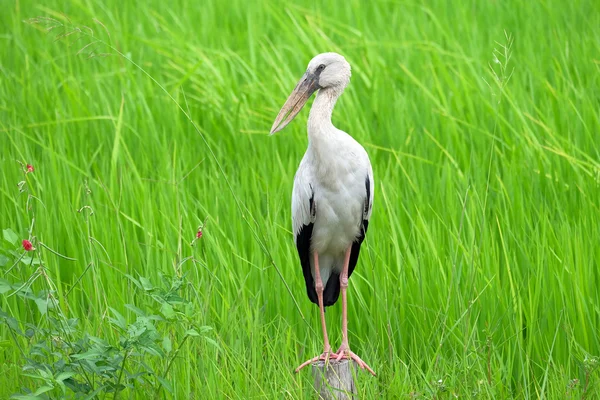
x=327, y=71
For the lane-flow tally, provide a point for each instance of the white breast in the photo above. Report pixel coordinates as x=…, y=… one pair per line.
x=337, y=174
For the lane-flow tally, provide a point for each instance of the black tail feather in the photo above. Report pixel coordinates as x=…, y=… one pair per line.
x=332, y=290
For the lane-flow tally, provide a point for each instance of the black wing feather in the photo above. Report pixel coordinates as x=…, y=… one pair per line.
x=303, y=246
x=303, y=239
x=365, y=225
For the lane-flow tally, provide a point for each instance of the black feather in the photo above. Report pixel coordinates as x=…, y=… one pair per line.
x=365, y=225
x=332, y=289
x=356, y=247
x=303, y=246
x=303, y=240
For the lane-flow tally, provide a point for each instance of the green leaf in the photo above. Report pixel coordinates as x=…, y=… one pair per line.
x=153, y=349
x=30, y=261
x=167, y=310
x=10, y=236
x=174, y=298
x=91, y=354
x=140, y=326
x=135, y=281
x=5, y=286
x=26, y=397
x=44, y=373
x=166, y=344
x=14, y=325
x=166, y=384
x=42, y=390
x=99, y=341
x=135, y=309
x=192, y=333
x=189, y=310
x=64, y=375
x=146, y=284
x=119, y=320
x=3, y=260
x=155, y=318
x=209, y=340
x=95, y=392
x=33, y=376
x=204, y=329
x=42, y=305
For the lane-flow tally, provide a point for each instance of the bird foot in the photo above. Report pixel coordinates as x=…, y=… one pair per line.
x=345, y=352
x=326, y=356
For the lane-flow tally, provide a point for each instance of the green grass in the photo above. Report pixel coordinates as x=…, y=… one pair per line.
x=480, y=272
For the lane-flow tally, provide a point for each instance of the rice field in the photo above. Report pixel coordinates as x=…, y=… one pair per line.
x=136, y=163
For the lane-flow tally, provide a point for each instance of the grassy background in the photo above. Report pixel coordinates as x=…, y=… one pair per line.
x=480, y=271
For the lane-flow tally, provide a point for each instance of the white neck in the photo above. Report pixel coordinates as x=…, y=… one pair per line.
x=319, y=119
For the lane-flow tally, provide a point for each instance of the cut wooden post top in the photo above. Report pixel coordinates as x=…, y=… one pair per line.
x=335, y=382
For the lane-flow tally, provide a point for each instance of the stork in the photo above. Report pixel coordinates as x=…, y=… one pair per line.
x=332, y=196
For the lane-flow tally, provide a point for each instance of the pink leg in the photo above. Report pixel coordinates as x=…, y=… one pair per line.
x=326, y=347
x=344, y=350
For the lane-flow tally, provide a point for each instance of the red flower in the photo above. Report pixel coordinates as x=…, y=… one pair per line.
x=27, y=245
x=199, y=235
x=30, y=168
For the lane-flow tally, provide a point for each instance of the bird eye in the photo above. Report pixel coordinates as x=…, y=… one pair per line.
x=320, y=68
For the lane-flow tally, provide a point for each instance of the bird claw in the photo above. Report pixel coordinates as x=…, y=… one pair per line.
x=326, y=356
x=345, y=352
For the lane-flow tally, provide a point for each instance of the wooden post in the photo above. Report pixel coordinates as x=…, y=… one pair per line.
x=336, y=382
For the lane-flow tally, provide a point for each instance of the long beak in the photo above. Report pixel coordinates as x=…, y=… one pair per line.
x=304, y=89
